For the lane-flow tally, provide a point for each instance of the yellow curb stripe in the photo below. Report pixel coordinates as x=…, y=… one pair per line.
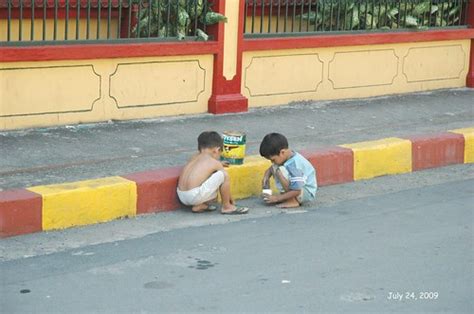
x=468, y=134
x=382, y=157
x=86, y=202
x=246, y=179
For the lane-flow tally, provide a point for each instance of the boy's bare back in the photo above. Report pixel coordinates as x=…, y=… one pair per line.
x=200, y=167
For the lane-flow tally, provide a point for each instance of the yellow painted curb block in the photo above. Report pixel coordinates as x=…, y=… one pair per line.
x=381, y=157
x=468, y=134
x=86, y=202
x=246, y=179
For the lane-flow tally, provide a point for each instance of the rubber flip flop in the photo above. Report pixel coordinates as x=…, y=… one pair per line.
x=210, y=208
x=237, y=211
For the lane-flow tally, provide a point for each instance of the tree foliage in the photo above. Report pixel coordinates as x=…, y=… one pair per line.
x=174, y=18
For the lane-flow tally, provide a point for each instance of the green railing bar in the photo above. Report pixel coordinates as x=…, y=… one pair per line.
x=88, y=19
x=309, y=15
x=149, y=18
x=66, y=30
x=99, y=7
x=129, y=18
x=9, y=20
x=55, y=32
x=301, y=16
x=246, y=7
x=278, y=16
x=293, y=16
x=168, y=16
x=159, y=16
x=44, y=19
x=20, y=26
x=78, y=14
x=254, y=8
x=205, y=10
x=338, y=19
x=262, y=12
x=32, y=19
x=270, y=16
x=109, y=16
x=119, y=24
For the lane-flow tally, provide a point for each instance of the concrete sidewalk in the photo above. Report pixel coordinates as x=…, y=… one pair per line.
x=419, y=137
x=71, y=153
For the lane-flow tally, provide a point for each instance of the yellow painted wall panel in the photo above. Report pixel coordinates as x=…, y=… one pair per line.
x=48, y=89
x=372, y=68
x=356, y=71
x=41, y=94
x=276, y=75
x=468, y=143
x=440, y=62
x=86, y=202
x=157, y=83
x=381, y=157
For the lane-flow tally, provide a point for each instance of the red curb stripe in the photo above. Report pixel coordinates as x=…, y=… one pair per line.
x=156, y=190
x=333, y=164
x=20, y=212
x=436, y=150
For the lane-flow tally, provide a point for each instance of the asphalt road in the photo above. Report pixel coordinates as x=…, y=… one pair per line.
x=351, y=255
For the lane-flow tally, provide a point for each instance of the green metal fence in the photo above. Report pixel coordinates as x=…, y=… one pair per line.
x=292, y=17
x=65, y=21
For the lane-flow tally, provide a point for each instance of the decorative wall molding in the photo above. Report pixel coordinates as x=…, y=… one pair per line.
x=283, y=74
x=356, y=69
x=45, y=90
x=156, y=83
x=434, y=63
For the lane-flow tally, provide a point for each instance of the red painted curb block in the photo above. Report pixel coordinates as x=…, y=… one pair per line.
x=436, y=150
x=20, y=212
x=333, y=165
x=156, y=190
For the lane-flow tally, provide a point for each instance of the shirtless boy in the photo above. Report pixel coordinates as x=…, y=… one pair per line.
x=204, y=175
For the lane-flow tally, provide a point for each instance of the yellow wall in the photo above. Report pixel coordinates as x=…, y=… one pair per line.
x=282, y=76
x=60, y=29
x=66, y=92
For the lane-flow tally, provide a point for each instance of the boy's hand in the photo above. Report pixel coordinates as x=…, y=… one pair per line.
x=270, y=199
x=225, y=163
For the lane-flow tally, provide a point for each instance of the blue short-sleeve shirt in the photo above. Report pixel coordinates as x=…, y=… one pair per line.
x=302, y=175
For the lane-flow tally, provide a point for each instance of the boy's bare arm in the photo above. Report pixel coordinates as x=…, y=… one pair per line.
x=266, y=178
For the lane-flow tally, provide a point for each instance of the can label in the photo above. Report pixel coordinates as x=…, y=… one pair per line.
x=234, y=147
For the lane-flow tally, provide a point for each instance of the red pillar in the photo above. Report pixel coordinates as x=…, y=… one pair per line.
x=470, y=22
x=226, y=94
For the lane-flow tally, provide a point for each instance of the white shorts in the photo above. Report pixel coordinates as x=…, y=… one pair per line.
x=204, y=193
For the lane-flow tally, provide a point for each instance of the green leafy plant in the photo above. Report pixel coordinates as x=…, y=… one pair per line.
x=368, y=15
x=174, y=18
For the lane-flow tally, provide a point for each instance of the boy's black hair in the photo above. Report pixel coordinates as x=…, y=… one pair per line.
x=272, y=144
x=209, y=139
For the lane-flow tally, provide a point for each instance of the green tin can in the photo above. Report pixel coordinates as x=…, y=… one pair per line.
x=234, y=147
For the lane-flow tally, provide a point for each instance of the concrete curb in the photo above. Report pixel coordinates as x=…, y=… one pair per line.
x=60, y=206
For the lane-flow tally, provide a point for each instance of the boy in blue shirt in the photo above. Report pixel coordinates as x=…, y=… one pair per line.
x=294, y=175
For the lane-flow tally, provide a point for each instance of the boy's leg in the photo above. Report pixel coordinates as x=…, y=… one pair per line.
x=281, y=174
x=208, y=192
x=228, y=206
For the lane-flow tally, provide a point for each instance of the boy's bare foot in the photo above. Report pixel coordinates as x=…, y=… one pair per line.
x=201, y=208
x=291, y=203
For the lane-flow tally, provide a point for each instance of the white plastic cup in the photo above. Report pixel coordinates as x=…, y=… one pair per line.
x=267, y=191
